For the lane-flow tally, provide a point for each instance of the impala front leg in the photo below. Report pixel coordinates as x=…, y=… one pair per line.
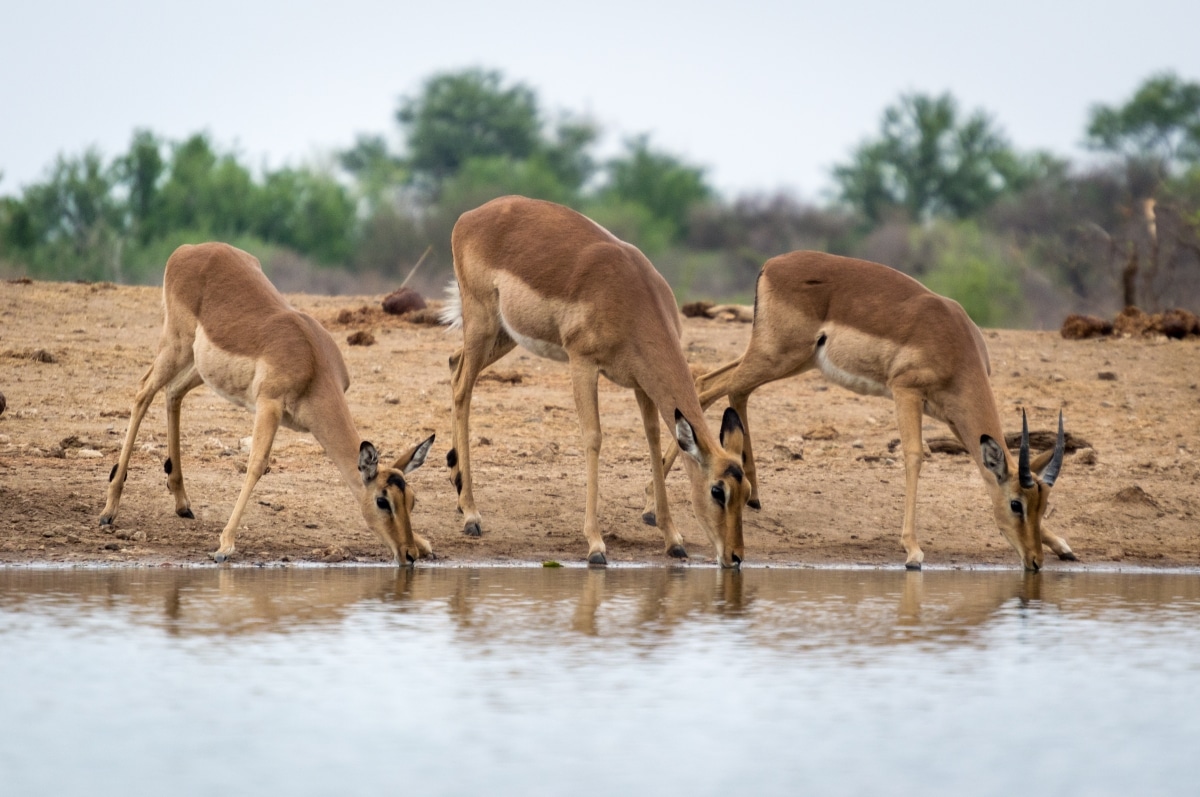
x=584, y=379
x=662, y=512
x=174, y=464
x=267, y=414
x=909, y=407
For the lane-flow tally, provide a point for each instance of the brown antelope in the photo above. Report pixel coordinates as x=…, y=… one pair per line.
x=545, y=277
x=226, y=326
x=879, y=332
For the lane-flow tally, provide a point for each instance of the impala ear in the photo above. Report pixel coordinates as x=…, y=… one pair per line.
x=685, y=435
x=993, y=458
x=415, y=457
x=733, y=434
x=368, y=461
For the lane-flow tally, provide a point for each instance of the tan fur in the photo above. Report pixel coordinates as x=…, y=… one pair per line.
x=225, y=325
x=877, y=331
x=560, y=283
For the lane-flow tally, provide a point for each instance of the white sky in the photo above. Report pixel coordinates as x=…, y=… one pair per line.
x=765, y=95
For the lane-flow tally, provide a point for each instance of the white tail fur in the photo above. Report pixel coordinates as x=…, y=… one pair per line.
x=451, y=315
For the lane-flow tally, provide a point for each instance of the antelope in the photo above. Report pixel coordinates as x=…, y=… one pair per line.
x=547, y=278
x=226, y=326
x=878, y=332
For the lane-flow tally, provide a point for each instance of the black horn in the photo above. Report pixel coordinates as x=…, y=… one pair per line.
x=1050, y=473
x=1023, y=473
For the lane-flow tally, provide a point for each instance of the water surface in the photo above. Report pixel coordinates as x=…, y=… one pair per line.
x=572, y=681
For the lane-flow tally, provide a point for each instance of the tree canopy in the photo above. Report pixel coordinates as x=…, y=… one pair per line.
x=929, y=161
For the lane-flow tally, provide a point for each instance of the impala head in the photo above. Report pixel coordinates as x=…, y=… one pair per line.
x=387, y=501
x=719, y=485
x=1020, y=500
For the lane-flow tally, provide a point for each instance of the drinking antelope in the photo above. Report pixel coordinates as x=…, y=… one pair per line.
x=879, y=332
x=545, y=277
x=225, y=325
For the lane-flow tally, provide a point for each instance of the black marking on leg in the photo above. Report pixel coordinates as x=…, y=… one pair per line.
x=677, y=552
x=821, y=339
x=112, y=473
x=186, y=512
x=754, y=503
x=168, y=466
x=649, y=518
x=458, y=482
x=451, y=458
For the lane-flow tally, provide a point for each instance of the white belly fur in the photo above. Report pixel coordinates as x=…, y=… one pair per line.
x=232, y=377
x=865, y=356
x=539, y=347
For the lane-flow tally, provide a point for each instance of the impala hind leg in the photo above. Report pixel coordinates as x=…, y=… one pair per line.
x=179, y=387
x=584, y=383
x=267, y=414
x=662, y=512
x=479, y=350
x=909, y=406
x=169, y=363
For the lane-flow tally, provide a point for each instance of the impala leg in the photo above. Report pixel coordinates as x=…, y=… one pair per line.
x=1059, y=546
x=662, y=511
x=168, y=363
x=909, y=405
x=584, y=379
x=187, y=381
x=478, y=352
x=267, y=414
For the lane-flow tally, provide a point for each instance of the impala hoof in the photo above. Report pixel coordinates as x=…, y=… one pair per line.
x=106, y=520
x=186, y=512
x=410, y=558
x=754, y=503
x=649, y=519
x=472, y=529
x=677, y=552
x=1066, y=556
x=912, y=565
x=598, y=559
x=737, y=561
x=220, y=557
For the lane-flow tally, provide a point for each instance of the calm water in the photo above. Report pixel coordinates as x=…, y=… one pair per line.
x=625, y=681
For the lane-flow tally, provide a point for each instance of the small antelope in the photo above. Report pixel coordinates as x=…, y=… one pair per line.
x=225, y=325
x=878, y=332
x=545, y=277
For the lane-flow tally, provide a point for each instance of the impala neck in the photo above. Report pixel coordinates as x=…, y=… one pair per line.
x=338, y=436
x=669, y=385
x=974, y=417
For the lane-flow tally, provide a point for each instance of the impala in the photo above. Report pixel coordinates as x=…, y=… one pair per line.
x=225, y=325
x=545, y=277
x=876, y=331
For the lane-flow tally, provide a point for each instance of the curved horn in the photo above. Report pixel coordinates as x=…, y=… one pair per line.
x=1023, y=473
x=1050, y=473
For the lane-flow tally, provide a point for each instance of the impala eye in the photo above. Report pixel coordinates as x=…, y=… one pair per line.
x=383, y=504
x=718, y=494
x=1016, y=507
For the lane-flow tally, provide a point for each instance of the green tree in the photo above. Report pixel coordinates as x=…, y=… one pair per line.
x=376, y=171
x=140, y=170
x=1159, y=125
x=664, y=185
x=468, y=114
x=930, y=162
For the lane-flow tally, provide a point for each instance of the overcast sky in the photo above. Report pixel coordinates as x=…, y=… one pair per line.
x=763, y=94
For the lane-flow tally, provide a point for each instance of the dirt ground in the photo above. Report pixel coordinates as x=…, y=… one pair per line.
x=832, y=489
